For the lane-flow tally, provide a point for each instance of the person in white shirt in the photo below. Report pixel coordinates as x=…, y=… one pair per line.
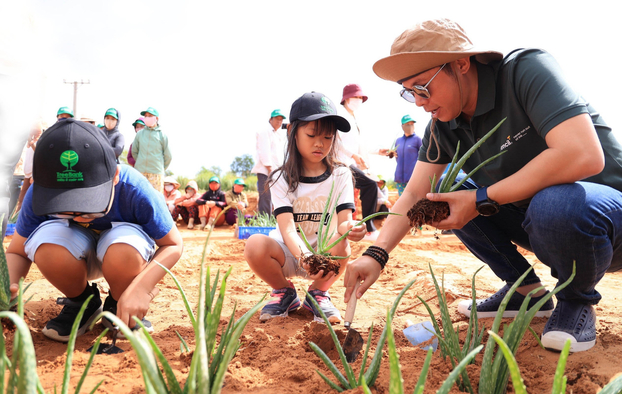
x=270, y=151
x=351, y=153
x=383, y=204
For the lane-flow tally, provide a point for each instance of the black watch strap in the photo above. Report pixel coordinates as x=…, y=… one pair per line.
x=484, y=205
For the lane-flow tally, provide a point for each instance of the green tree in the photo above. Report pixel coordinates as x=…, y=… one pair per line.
x=243, y=165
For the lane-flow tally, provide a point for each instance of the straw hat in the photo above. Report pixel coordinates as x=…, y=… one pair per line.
x=427, y=45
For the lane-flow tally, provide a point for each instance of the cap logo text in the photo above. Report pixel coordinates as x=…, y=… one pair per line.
x=69, y=159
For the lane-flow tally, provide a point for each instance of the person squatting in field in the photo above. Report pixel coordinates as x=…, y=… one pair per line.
x=557, y=191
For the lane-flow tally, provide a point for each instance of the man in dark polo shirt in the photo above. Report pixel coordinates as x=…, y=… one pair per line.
x=557, y=190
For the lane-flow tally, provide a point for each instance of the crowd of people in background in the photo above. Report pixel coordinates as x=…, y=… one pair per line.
x=150, y=154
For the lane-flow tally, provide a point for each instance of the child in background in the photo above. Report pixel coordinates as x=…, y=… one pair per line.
x=111, y=129
x=383, y=204
x=150, y=149
x=171, y=192
x=300, y=189
x=211, y=203
x=236, y=200
x=138, y=124
x=186, y=205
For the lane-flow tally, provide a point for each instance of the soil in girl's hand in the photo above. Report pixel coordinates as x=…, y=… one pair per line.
x=392, y=154
x=427, y=212
x=319, y=262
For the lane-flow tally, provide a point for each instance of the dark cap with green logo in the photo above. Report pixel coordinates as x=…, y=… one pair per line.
x=73, y=168
x=313, y=106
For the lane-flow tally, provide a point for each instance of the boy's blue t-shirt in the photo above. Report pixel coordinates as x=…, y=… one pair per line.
x=135, y=201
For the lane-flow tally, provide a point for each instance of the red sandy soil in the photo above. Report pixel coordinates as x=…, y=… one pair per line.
x=275, y=356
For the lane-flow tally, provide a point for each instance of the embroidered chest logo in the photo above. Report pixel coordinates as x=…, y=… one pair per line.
x=69, y=159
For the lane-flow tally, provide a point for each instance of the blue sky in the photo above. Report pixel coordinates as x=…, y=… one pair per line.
x=215, y=70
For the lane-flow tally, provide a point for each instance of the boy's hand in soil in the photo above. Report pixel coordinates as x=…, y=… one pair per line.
x=461, y=207
x=134, y=304
x=364, y=268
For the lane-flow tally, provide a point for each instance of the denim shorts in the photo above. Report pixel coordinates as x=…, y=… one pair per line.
x=85, y=244
x=291, y=268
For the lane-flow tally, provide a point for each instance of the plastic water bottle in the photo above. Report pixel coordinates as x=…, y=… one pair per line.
x=418, y=333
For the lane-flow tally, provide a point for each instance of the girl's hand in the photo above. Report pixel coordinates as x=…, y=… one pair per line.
x=319, y=275
x=357, y=233
x=241, y=206
x=211, y=204
x=461, y=205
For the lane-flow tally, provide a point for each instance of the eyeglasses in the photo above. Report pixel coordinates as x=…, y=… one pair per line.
x=72, y=215
x=421, y=91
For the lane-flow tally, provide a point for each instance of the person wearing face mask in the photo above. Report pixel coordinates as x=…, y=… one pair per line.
x=351, y=152
x=138, y=124
x=150, y=149
x=211, y=203
x=171, y=192
x=186, y=205
x=111, y=129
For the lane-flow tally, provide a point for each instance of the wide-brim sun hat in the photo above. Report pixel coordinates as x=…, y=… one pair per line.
x=171, y=180
x=313, y=106
x=352, y=90
x=426, y=45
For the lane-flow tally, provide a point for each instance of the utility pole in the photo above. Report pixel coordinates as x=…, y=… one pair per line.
x=75, y=93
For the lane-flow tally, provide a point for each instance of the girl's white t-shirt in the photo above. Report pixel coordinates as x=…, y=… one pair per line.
x=307, y=202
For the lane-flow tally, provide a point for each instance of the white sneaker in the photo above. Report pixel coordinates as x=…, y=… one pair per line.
x=371, y=236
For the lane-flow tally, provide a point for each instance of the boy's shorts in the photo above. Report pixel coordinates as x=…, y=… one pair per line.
x=292, y=267
x=88, y=245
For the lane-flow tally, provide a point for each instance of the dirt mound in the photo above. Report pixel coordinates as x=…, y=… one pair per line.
x=275, y=356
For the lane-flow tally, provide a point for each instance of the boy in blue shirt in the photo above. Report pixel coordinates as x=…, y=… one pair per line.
x=86, y=217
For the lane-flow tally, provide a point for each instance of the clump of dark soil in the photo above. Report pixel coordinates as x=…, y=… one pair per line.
x=318, y=262
x=392, y=154
x=427, y=212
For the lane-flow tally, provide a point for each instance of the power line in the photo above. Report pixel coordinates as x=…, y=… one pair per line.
x=75, y=93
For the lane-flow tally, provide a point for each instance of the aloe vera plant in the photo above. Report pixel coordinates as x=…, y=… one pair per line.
x=494, y=373
x=320, y=257
x=6, y=302
x=427, y=212
x=449, y=339
x=366, y=378
x=396, y=384
x=209, y=361
x=22, y=367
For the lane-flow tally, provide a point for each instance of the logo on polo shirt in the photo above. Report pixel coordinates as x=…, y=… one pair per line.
x=506, y=144
x=69, y=159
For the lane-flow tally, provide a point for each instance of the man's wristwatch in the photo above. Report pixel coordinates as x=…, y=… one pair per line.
x=484, y=205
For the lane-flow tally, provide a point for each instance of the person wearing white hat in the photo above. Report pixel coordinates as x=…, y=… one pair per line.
x=557, y=191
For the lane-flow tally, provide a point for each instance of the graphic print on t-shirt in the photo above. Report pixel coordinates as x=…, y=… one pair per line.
x=310, y=213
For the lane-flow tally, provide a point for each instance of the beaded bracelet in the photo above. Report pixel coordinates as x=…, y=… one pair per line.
x=381, y=256
x=381, y=251
x=376, y=257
